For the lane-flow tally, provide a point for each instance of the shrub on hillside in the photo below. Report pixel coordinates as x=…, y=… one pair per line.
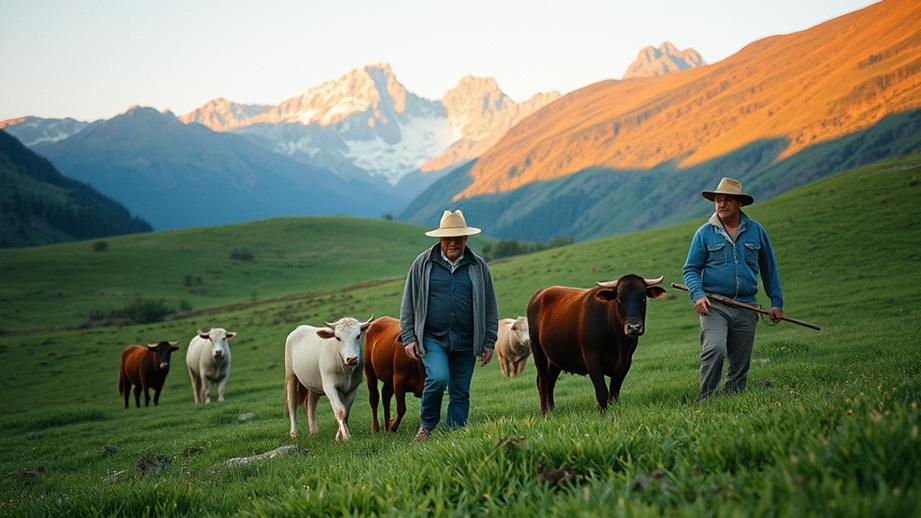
x=143, y=311
x=241, y=254
x=512, y=247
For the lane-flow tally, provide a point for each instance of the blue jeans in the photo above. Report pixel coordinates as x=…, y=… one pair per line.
x=728, y=333
x=451, y=370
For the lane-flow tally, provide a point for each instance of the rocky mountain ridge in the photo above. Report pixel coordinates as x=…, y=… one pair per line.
x=665, y=59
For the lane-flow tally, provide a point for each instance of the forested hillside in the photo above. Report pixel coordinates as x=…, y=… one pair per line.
x=39, y=206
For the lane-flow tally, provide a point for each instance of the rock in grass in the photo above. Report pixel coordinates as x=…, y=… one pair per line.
x=284, y=450
x=153, y=463
x=109, y=449
x=247, y=416
x=194, y=450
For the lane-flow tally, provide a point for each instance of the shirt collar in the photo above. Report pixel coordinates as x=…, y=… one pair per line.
x=448, y=262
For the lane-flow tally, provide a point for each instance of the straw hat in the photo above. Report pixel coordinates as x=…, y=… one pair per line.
x=453, y=225
x=730, y=187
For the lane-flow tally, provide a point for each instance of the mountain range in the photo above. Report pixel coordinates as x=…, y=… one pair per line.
x=621, y=156
x=613, y=157
x=361, y=145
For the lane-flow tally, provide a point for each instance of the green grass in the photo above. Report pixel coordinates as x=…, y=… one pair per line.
x=829, y=426
x=62, y=285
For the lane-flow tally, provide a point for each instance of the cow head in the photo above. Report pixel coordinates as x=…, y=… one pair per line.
x=163, y=350
x=347, y=333
x=217, y=338
x=630, y=292
x=520, y=328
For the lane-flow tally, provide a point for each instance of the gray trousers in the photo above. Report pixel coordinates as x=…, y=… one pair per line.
x=728, y=333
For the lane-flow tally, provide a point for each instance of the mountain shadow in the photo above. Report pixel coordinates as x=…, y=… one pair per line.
x=596, y=203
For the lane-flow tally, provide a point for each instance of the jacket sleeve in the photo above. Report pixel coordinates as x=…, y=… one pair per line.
x=492, y=311
x=694, y=266
x=408, y=308
x=769, y=275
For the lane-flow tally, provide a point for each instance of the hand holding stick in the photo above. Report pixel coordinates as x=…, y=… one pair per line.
x=730, y=302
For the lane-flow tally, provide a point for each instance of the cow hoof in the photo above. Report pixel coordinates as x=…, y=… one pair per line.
x=292, y=434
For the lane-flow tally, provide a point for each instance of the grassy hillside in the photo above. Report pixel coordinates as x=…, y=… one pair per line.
x=829, y=426
x=203, y=267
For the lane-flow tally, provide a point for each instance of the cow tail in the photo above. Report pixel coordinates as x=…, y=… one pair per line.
x=121, y=383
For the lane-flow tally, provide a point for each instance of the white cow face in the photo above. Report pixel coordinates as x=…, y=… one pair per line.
x=520, y=327
x=217, y=341
x=347, y=333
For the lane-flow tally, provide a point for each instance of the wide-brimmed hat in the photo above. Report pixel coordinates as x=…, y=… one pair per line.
x=453, y=225
x=729, y=187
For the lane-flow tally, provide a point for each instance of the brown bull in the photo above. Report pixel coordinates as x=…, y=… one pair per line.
x=386, y=360
x=146, y=368
x=588, y=331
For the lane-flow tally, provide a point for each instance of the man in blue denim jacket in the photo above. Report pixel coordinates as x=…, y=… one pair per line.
x=726, y=256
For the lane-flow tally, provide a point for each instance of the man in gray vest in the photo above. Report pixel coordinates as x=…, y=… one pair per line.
x=449, y=317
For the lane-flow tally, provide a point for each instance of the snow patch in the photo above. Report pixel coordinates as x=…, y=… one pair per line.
x=421, y=139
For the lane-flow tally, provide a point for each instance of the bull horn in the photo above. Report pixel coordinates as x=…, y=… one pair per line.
x=607, y=284
x=366, y=323
x=650, y=282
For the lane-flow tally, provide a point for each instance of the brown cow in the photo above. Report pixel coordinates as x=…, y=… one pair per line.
x=588, y=331
x=146, y=368
x=386, y=360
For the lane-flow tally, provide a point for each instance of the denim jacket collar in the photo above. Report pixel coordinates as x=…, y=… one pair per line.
x=721, y=230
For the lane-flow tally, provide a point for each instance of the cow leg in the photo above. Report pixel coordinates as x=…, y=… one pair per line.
x=137, y=395
x=196, y=385
x=291, y=400
x=126, y=384
x=553, y=372
x=374, y=398
x=347, y=401
x=206, y=389
x=601, y=390
x=543, y=374
x=311, y=404
x=157, y=395
x=503, y=363
x=339, y=409
x=521, y=365
x=220, y=389
x=146, y=395
x=399, y=392
x=387, y=394
x=616, y=381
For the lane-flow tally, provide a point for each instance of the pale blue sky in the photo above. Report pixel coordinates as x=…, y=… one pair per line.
x=93, y=59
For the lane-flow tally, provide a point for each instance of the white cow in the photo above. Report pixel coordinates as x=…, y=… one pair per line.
x=324, y=360
x=513, y=346
x=208, y=360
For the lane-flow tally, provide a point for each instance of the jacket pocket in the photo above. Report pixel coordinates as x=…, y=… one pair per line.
x=752, y=249
x=716, y=254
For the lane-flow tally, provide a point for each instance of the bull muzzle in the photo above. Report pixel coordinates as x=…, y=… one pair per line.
x=164, y=365
x=352, y=361
x=634, y=329
x=218, y=353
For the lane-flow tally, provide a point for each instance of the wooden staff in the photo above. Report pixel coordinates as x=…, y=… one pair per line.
x=756, y=309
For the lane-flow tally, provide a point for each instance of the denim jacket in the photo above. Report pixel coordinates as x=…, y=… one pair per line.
x=717, y=264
